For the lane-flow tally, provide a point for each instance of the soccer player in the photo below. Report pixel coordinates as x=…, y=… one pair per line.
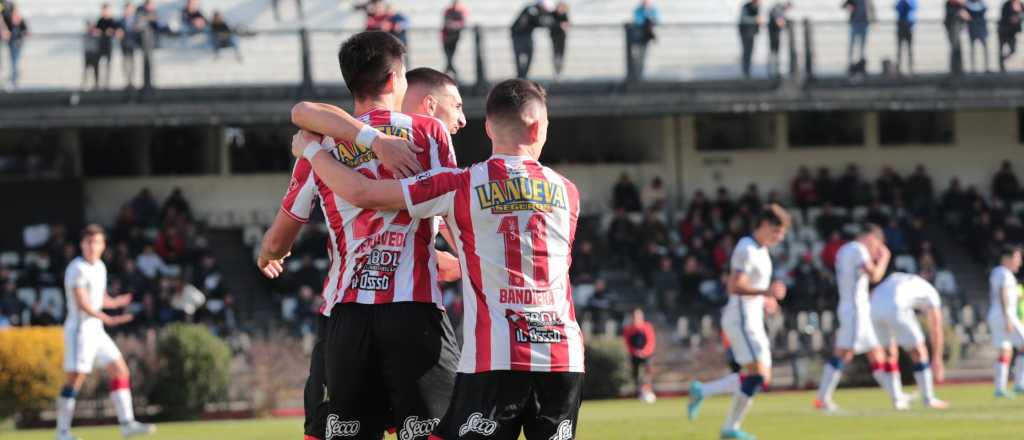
x=892, y=312
x=858, y=264
x=513, y=221
x=85, y=341
x=640, y=342
x=388, y=345
x=429, y=93
x=1006, y=328
x=749, y=283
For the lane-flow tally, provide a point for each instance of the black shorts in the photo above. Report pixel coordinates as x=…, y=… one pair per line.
x=639, y=362
x=313, y=396
x=388, y=365
x=496, y=405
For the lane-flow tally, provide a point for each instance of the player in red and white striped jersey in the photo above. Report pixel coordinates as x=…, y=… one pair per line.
x=387, y=336
x=513, y=221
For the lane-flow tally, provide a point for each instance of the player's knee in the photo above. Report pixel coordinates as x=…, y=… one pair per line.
x=836, y=362
x=68, y=392
x=751, y=384
x=921, y=366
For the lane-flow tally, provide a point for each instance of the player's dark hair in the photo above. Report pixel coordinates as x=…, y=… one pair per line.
x=509, y=98
x=92, y=229
x=367, y=59
x=868, y=228
x=1007, y=250
x=430, y=78
x=774, y=215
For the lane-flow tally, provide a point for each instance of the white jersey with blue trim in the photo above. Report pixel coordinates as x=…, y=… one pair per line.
x=852, y=281
x=93, y=278
x=752, y=259
x=902, y=292
x=999, y=281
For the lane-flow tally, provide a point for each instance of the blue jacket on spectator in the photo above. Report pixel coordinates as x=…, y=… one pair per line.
x=642, y=15
x=906, y=10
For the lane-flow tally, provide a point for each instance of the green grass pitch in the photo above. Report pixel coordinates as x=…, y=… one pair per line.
x=865, y=414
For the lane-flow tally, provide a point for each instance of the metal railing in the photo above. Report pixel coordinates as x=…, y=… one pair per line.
x=681, y=52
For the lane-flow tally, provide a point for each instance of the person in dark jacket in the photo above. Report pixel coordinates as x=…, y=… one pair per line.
x=777, y=23
x=645, y=18
x=977, y=30
x=956, y=15
x=906, y=18
x=1009, y=27
x=640, y=342
x=862, y=13
x=559, y=30
x=750, y=24
x=455, y=18
x=530, y=18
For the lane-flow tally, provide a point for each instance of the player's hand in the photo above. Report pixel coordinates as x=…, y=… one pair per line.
x=114, y=321
x=777, y=290
x=882, y=251
x=448, y=267
x=301, y=139
x=270, y=268
x=122, y=300
x=771, y=306
x=938, y=370
x=398, y=155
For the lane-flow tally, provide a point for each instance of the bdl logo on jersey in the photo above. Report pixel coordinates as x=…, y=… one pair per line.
x=374, y=271
x=520, y=194
x=535, y=327
x=353, y=155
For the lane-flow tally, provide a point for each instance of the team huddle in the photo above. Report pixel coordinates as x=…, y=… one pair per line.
x=386, y=356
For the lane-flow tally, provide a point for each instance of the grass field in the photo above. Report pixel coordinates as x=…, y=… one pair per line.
x=866, y=414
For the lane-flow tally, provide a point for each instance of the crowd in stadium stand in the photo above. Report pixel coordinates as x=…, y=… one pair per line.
x=155, y=252
x=13, y=31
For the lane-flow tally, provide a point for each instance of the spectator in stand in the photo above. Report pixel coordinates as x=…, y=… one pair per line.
x=665, y=287
x=700, y=203
x=1009, y=26
x=621, y=237
x=222, y=36
x=625, y=195
x=91, y=51
x=601, y=305
x=777, y=22
x=862, y=13
x=750, y=24
x=807, y=288
x=585, y=265
x=170, y=245
x=129, y=31
x=723, y=201
x=653, y=196
x=559, y=30
x=150, y=264
x=107, y=27
x=915, y=235
x=640, y=342
x=876, y=215
x=455, y=18
x=398, y=25
x=148, y=15
x=750, y=200
x=689, y=286
x=133, y=280
x=186, y=300
x=889, y=185
x=1005, y=185
x=692, y=225
x=722, y=252
x=828, y=222
x=645, y=19
x=17, y=32
x=828, y=253
x=192, y=19
x=894, y=237
x=906, y=13
x=804, y=189
x=376, y=15
x=919, y=191
x=145, y=207
x=955, y=204
x=530, y=18
x=956, y=15
x=977, y=30
x=176, y=201
x=306, y=275
x=825, y=185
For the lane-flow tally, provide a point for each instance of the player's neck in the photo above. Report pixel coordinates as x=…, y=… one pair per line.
x=91, y=260
x=382, y=102
x=515, y=150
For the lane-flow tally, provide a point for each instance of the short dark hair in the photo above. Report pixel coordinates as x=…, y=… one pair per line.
x=774, y=215
x=428, y=77
x=1007, y=250
x=508, y=99
x=92, y=229
x=868, y=228
x=367, y=59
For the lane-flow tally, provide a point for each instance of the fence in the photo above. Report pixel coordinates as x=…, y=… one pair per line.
x=681, y=52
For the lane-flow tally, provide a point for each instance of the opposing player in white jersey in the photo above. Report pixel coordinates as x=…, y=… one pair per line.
x=858, y=264
x=749, y=283
x=86, y=343
x=1003, y=322
x=514, y=221
x=893, y=303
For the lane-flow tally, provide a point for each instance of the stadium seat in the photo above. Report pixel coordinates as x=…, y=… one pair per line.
x=587, y=327
x=682, y=328
x=707, y=326
x=695, y=342
x=827, y=321
x=611, y=327
x=817, y=341
x=52, y=299
x=801, y=321
x=945, y=283
x=172, y=270
x=321, y=263
x=26, y=295
x=967, y=316
x=31, y=259
x=859, y=212
x=252, y=235
x=1018, y=207
x=288, y=307
x=947, y=315
x=10, y=259
x=293, y=265
x=793, y=341
x=905, y=263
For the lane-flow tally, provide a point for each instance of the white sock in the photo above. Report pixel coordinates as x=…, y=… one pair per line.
x=1019, y=378
x=725, y=385
x=924, y=381
x=122, y=400
x=740, y=405
x=829, y=382
x=1002, y=370
x=65, y=411
x=884, y=380
x=897, y=383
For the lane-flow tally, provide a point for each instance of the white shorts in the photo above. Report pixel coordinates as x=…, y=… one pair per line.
x=749, y=342
x=856, y=333
x=1001, y=339
x=86, y=345
x=901, y=328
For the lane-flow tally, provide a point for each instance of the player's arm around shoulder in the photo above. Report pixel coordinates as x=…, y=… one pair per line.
x=354, y=187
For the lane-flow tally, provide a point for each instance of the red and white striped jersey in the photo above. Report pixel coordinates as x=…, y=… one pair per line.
x=376, y=257
x=513, y=221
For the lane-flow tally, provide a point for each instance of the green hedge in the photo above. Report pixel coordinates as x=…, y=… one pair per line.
x=194, y=370
x=606, y=369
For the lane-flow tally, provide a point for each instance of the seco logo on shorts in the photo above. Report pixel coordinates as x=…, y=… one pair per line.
x=564, y=431
x=414, y=428
x=476, y=423
x=341, y=428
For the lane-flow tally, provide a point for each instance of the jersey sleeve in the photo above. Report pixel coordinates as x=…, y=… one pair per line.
x=432, y=193
x=442, y=152
x=74, y=278
x=301, y=195
x=741, y=261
